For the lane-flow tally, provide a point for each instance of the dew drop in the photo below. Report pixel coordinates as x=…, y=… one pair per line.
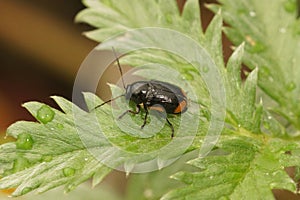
x=45, y=114
x=187, y=76
x=239, y=125
x=290, y=6
x=291, y=86
x=211, y=177
x=205, y=69
x=68, y=171
x=60, y=126
x=24, y=141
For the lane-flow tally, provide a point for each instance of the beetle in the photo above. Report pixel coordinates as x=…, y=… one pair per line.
x=152, y=95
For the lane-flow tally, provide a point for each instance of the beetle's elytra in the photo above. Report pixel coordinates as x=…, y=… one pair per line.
x=153, y=94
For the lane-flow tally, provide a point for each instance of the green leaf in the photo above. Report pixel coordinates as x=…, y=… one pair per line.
x=155, y=184
x=213, y=38
x=47, y=155
x=69, y=147
x=271, y=32
x=115, y=17
x=241, y=97
x=241, y=168
x=243, y=159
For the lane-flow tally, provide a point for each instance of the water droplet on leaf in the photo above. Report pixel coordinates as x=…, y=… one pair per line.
x=68, y=171
x=205, y=69
x=187, y=76
x=24, y=141
x=45, y=114
x=60, y=126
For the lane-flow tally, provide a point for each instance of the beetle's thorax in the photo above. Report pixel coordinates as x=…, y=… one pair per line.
x=137, y=92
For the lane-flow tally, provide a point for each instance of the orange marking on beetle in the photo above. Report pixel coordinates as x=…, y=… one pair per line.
x=182, y=105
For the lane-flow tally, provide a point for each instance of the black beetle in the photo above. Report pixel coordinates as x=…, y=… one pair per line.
x=153, y=94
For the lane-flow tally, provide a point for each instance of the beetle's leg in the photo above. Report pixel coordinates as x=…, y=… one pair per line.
x=137, y=111
x=145, y=118
x=172, y=128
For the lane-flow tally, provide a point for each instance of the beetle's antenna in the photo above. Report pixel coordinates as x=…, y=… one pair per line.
x=108, y=101
x=120, y=69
